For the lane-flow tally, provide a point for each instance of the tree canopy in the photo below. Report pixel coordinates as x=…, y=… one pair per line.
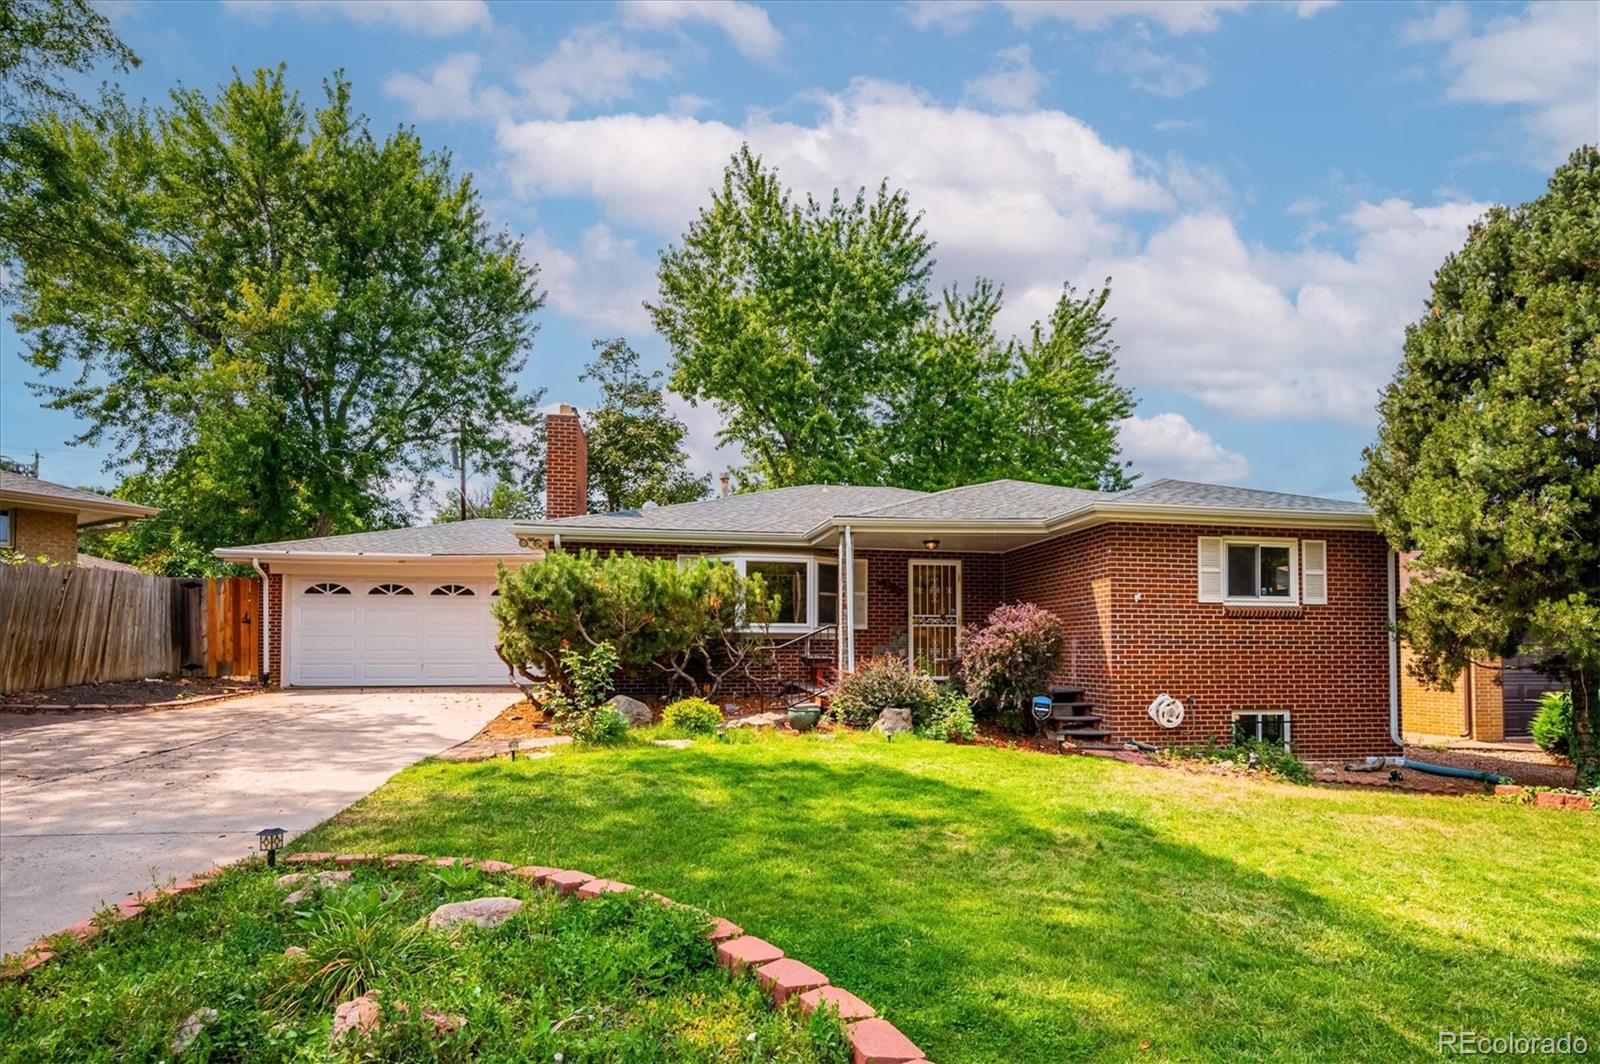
x=810, y=327
x=275, y=319
x=1487, y=460
x=636, y=450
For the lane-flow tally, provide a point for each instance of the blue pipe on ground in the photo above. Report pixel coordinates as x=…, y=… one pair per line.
x=1449, y=770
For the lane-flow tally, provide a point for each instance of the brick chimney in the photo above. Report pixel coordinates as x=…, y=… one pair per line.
x=566, y=466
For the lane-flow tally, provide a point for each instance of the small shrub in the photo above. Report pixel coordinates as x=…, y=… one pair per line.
x=1552, y=725
x=951, y=717
x=584, y=713
x=879, y=684
x=696, y=716
x=1009, y=660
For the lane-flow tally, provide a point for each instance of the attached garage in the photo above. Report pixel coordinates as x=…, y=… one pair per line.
x=409, y=607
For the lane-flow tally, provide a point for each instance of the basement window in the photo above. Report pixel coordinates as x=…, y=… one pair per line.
x=1261, y=728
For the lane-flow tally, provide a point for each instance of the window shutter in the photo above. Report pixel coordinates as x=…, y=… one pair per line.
x=1210, y=569
x=1314, y=572
x=858, y=595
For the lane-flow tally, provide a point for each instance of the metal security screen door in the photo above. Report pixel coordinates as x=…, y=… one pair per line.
x=935, y=615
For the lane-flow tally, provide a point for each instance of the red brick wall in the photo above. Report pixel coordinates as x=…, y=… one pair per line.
x=566, y=470
x=274, y=627
x=1326, y=665
x=50, y=533
x=1072, y=577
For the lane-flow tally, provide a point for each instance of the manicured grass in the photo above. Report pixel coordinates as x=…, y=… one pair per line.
x=619, y=978
x=1007, y=906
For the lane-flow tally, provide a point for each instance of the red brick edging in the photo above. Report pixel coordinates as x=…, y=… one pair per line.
x=1548, y=799
x=872, y=1040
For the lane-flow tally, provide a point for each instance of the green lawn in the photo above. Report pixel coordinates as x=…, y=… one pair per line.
x=1007, y=906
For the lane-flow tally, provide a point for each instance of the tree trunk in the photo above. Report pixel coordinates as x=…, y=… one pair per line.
x=1585, y=726
x=323, y=527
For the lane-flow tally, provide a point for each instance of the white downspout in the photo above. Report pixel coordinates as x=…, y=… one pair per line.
x=1392, y=562
x=265, y=619
x=848, y=636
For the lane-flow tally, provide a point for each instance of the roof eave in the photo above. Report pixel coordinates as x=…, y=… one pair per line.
x=110, y=508
x=245, y=554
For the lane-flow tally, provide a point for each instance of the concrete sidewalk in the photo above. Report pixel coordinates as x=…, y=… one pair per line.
x=95, y=806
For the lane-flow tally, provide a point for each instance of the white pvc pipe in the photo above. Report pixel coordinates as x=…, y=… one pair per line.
x=265, y=619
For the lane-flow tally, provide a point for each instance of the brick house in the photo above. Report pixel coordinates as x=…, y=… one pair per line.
x=41, y=519
x=1258, y=611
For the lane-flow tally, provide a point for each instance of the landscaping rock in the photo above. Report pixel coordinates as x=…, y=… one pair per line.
x=444, y=1022
x=196, y=1022
x=322, y=880
x=291, y=878
x=674, y=744
x=747, y=951
x=722, y=930
x=847, y=1005
x=596, y=887
x=635, y=712
x=896, y=720
x=360, y=1015
x=485, y=912
x=755, y=720
x=787, y=977
x=493, y=867
x=567, y=881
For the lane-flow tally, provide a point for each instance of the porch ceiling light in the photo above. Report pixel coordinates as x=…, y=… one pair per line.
x=931, y=544
x=271, y=840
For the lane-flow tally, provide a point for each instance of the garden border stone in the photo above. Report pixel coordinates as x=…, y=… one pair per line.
x=873, y=1040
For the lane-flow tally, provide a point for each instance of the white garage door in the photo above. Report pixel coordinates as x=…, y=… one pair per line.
x=392, y=631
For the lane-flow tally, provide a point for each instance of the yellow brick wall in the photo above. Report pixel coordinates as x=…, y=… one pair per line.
x=1426, y=710
x=1488, y=703
x=47, y=532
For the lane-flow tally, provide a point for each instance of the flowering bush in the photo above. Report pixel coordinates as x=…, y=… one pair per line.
x=1010, y=658
x=881, y=683
x=693, y=715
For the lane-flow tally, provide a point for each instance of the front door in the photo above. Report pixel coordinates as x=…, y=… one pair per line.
x=935, y=615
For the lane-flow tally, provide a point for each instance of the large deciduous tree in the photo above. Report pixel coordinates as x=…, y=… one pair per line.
x=636, y=450
x=811, y=329
x=276, y=319
x=1488, y=455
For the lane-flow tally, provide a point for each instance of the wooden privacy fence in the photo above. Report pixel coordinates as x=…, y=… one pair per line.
x=61, y=625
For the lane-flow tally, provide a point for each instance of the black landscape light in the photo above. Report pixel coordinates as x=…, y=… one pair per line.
x=514, y=745
x=271, y=840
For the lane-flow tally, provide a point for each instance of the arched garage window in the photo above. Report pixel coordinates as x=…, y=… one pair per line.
x=327, y=589
x=452, y=590
x=391, y=589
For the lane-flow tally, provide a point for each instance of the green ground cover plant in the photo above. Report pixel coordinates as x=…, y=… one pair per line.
x=619, y=978
x=1006, y=906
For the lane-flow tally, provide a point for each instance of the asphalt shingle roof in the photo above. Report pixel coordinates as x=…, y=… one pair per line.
x=1221, y=496
x=782, y=510
x=480, y=536
x=1016, y=500
x=44, y=489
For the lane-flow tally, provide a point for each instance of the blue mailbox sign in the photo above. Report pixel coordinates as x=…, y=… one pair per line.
x=1041, y=707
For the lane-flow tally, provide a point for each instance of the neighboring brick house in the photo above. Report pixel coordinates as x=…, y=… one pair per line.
x=1488, y=702
x=41, y=519
x=1258, y=611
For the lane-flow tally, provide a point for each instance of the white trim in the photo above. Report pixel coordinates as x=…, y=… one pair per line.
x=1293, y=598
x=1314, y=573
x=911, y=634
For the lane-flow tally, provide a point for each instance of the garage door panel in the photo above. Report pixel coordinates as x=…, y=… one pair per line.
x=392, y=639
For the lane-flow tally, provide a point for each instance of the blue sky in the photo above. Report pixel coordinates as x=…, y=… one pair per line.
x=1269, y=186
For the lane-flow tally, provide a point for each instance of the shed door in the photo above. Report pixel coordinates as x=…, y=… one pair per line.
x=1523, y=688
x=935, y=594
x=397, y=630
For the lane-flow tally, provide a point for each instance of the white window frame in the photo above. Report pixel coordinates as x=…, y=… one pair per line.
x=1288, y=724
x=1293, y=598
x=740, y=559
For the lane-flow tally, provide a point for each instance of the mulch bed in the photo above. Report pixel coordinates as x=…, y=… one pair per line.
x=128, y=694
x=1529, y=766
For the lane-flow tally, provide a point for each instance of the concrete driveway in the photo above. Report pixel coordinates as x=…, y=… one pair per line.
x=96, y=806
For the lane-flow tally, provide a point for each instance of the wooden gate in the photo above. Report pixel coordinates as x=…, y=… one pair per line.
x=233, y=627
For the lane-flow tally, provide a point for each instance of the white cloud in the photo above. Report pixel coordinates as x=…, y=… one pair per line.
x=1175, y=16
x=1035, y=199
x=446, y=93
x=1544, y=60
x=592, y=66
x=429, y=18
x=1180, y=125
x=1154, y=72
x=1166, y=445
x=1013, y=84
x=602, y=283
x=951, y=16
x=747, y=26
x=1262, y=334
